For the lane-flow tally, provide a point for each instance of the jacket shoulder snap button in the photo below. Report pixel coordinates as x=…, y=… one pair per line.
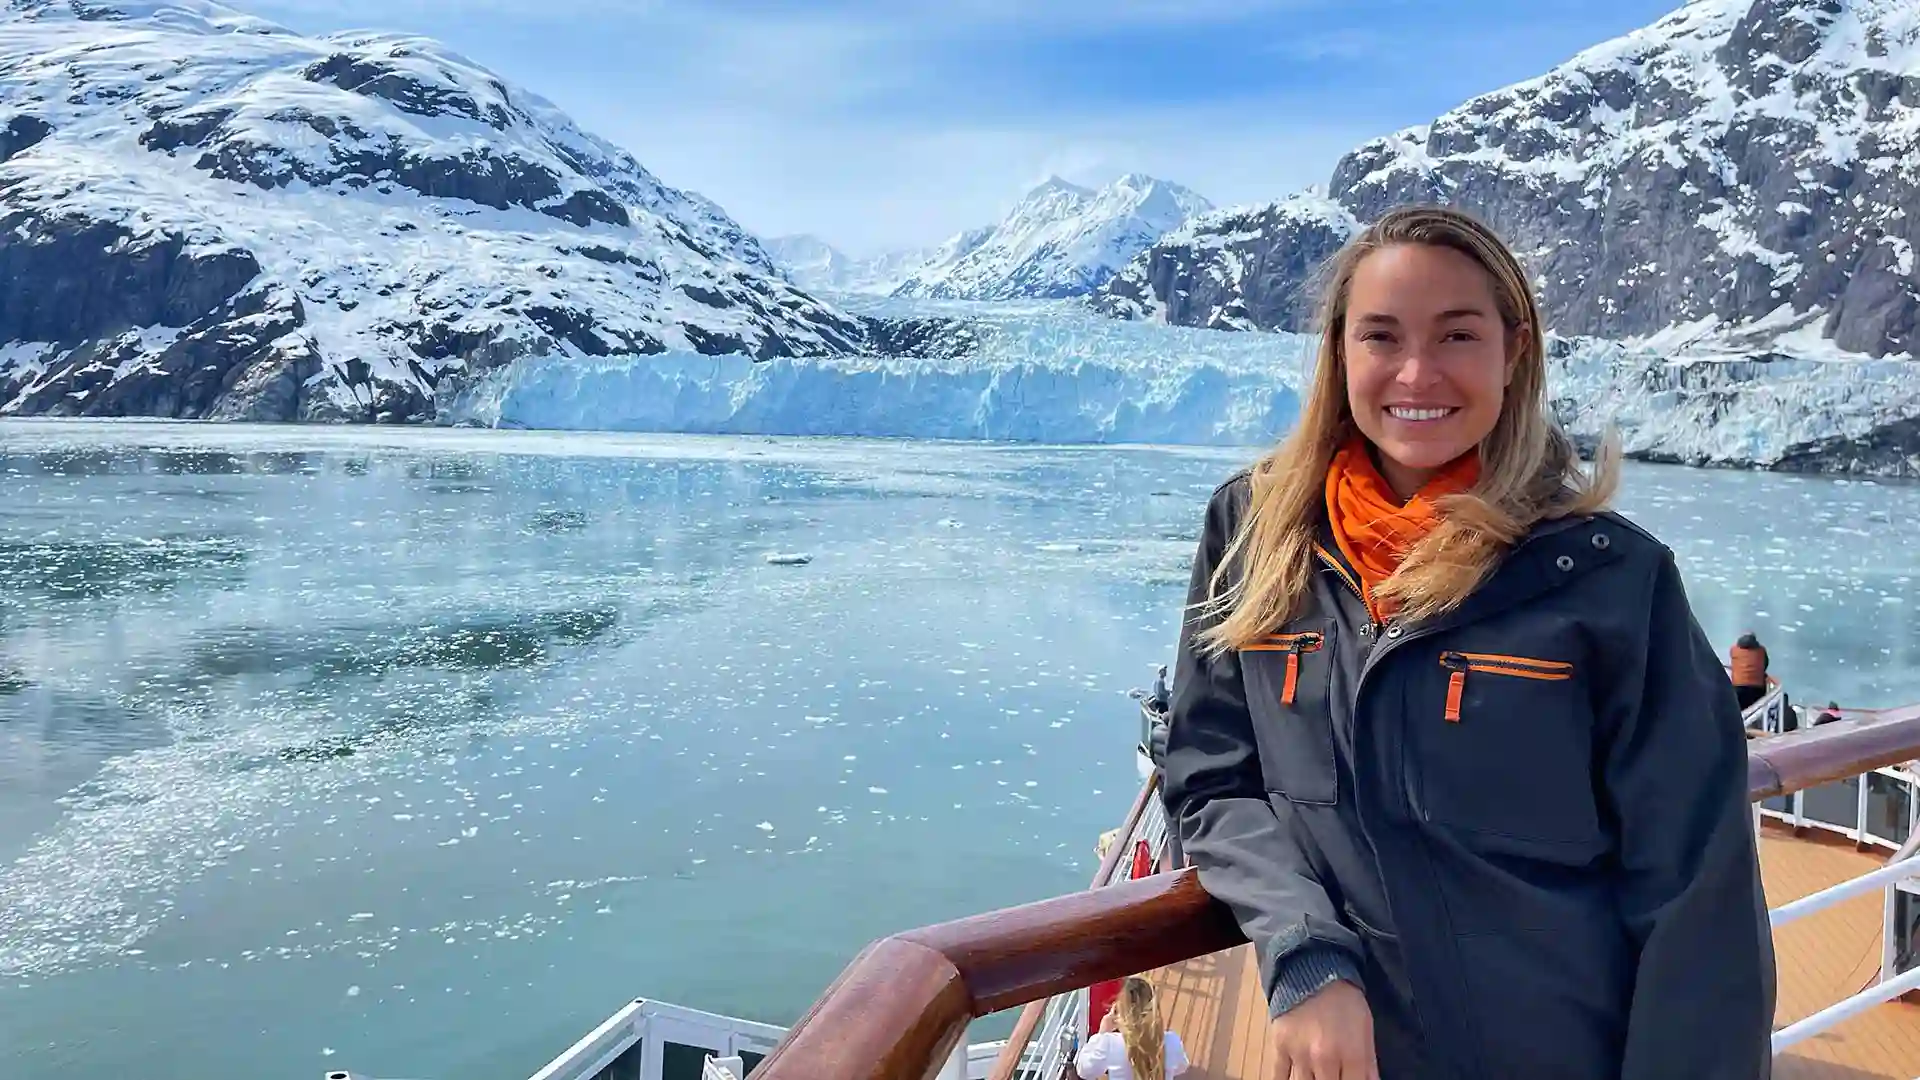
x=1564, y=562
x=1601, y=540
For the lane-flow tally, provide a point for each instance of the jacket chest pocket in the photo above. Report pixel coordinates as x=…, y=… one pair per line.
x=1503, y=748
x=1288, y=679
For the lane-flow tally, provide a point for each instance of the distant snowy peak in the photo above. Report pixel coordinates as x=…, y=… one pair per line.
x=1059, y=240
x=816, y=265
x=202, y=213
x=1737, y=164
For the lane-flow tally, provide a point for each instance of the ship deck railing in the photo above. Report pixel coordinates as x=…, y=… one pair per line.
x=1890, y=983
x=1061, y=1020
x=904, y=1003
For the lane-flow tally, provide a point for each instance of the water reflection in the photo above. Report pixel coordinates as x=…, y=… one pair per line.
x=480, y=643
x=80, y=568
x=51, y=743
x=162, y=461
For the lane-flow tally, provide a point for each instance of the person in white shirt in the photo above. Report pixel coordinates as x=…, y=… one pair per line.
x=1132, y=1043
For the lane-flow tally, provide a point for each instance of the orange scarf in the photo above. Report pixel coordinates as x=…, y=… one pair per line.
x=1374, y=529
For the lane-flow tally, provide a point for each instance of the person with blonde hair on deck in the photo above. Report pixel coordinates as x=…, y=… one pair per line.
x=1445, y=735
x=1133, y=1042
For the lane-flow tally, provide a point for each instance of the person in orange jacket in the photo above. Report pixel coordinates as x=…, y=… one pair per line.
x=1749, y=659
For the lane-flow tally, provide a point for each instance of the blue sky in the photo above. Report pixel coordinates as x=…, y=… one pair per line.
x=879, y=124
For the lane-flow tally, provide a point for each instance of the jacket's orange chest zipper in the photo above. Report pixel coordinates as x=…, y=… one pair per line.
x=1293, y=645
x=1522, y=667
x=1370, y=629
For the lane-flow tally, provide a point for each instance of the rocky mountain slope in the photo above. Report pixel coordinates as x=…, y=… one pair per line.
x=206, y=215
x=1742, y=174
x=1240, y=268
x=1060, y=240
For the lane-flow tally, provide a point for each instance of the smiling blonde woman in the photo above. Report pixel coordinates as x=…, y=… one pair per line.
x=1445, y=733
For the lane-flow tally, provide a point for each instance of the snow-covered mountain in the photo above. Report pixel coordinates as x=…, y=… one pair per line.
x=1741, y=169
x=204, y=214
x=1059, y=240
x=1238, y=268
x=818, y=266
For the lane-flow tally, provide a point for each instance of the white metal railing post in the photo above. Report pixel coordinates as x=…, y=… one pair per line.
x=1890, y=985
x=1889, y=950
x=1866, y=793
x=956, y=1065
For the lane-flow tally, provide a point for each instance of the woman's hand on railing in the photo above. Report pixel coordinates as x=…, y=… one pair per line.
x=1329, y=1036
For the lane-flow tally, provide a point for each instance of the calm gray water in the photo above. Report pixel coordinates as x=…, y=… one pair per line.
x=420, y=752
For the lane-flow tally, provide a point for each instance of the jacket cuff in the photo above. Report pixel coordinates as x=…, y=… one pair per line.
x=1308, y=971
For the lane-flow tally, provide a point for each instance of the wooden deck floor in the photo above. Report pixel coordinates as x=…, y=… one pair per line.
x=1216, y=1005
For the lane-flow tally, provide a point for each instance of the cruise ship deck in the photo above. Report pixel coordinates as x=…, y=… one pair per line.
x=1216, y=1005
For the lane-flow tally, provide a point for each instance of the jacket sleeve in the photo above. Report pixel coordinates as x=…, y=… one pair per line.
x=1675, y=777
x=1244, y=851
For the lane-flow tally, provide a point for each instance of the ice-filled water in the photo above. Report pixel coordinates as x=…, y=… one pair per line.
x=419, y=752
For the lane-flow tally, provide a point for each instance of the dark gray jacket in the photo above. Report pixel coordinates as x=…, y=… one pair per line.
x=1522, y=828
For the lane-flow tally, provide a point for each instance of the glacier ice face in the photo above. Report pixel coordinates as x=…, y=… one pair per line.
x=1772, y=410
x=1054, y=372
x=1038, y=373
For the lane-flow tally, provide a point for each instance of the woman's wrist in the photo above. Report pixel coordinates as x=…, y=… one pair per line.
x=1308, y=971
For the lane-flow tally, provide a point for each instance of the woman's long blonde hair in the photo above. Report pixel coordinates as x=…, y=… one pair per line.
x=1529, y=468
x=1141, y=1030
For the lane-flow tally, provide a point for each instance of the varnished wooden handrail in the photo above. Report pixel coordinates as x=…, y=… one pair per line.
x=904, y=1003
x=1784, y=764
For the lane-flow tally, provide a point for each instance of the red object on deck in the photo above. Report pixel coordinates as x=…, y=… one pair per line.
x=1100, y=996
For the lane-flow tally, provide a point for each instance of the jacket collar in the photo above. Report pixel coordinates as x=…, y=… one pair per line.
x=1552, y=554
